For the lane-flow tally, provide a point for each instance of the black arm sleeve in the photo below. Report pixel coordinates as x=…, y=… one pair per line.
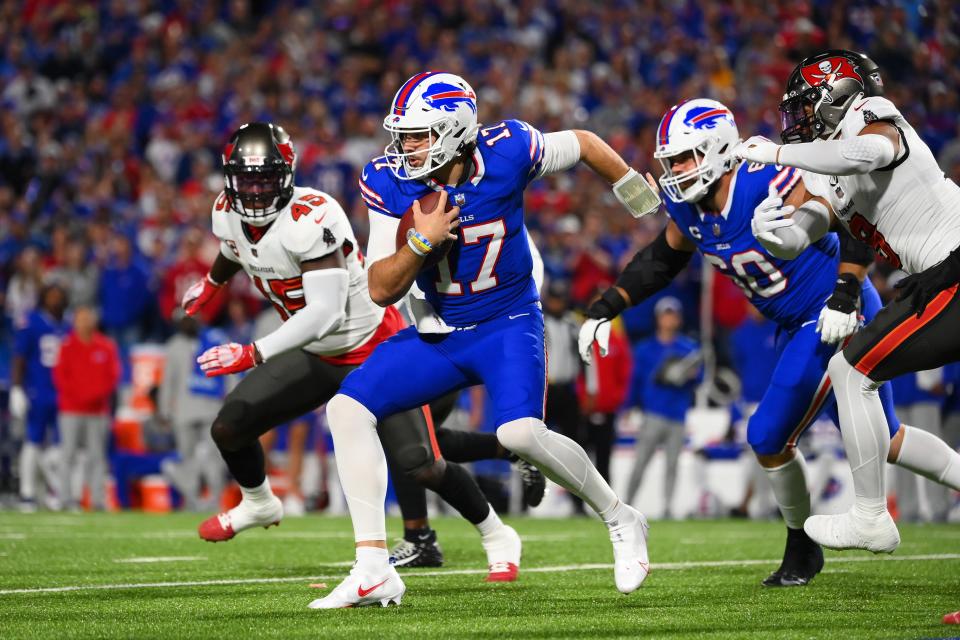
x=853, y=250
x=650, y=270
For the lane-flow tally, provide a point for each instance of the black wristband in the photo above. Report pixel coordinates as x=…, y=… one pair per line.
x=609, y=306
x=846, y=294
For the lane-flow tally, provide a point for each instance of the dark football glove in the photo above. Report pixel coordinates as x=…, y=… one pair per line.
x=920, y=288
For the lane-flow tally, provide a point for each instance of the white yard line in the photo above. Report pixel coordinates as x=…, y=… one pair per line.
x=664, y=566
x=155, y=559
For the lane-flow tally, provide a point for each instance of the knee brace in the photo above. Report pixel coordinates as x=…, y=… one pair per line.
x=763, y=440
x=228, y=427
x=417, y=461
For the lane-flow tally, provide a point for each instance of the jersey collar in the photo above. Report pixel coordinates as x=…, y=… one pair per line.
x=477, y=171
x=729, y=203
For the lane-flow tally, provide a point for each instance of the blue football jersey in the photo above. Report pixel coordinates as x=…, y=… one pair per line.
x=38, y=343
x=488, y=272
x=789, y=292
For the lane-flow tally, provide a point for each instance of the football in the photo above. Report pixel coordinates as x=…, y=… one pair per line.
x=427, y=204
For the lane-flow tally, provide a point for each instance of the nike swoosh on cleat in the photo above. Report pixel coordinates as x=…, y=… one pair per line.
x=365, y=592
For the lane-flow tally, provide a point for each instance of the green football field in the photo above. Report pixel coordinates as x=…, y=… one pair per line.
x=142, y=576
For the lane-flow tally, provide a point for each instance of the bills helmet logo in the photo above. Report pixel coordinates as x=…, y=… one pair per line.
x=448, y=97
x=828, y=71
x=706, y=117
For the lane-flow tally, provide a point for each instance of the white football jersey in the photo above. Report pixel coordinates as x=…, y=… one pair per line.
x=909, y=213
x=312, y=225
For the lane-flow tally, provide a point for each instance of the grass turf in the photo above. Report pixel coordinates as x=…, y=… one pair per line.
x=857, y=596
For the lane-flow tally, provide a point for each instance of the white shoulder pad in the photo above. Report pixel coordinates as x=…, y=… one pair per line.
x=815, y=184
x=866, y=111
x=313, y=225
x=219, y=217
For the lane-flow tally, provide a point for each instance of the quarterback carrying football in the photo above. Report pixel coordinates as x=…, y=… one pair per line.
x=297, y=246
x=487, y=327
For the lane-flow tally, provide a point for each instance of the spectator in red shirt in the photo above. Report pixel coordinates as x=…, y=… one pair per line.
x=86, y=377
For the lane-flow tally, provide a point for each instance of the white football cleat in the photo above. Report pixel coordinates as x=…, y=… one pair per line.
x=631, y=563
x=364, y=590
x=503, y=555
x=849, y=530
x=224, y=526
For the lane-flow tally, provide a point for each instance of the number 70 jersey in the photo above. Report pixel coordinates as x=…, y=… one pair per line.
x=488, y=272
x=789, y=292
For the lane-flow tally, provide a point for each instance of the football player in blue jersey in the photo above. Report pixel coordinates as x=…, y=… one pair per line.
x=479, y=321
x=711, y=199
x=32, y=394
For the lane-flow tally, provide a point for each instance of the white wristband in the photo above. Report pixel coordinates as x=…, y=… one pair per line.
x=635, y=194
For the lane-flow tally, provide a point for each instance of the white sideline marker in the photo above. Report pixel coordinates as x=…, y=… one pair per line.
x=664, y=566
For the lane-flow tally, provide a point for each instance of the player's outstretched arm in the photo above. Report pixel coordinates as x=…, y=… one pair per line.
x=390, y=278
x=875, y=147
x=650, y=270
x=203, y=291
x=630, y=188
x=326, y=285
x=785, y=227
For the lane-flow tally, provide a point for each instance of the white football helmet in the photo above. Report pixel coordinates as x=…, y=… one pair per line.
x=439, y=104
x=706, y=128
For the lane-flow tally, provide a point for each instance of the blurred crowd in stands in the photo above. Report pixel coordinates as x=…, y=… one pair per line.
x=114, y=114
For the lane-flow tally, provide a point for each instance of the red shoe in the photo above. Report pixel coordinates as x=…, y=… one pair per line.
x=224, y=526
x=503, y=572
x=952, y=618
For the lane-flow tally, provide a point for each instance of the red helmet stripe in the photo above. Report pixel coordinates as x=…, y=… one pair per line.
x=406, y=89
x=711, y=113
x=227, y=152
x=665, y=123
x=286, y=150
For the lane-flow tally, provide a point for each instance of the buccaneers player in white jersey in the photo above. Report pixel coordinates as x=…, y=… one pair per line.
x=865, y=166
x=297, y=246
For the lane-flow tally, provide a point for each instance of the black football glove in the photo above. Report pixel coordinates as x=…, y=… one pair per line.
x=920, y=288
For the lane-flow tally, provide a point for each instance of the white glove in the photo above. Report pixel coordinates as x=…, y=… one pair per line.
x=428, y=321
x=594, y=330
x=637, y=194
x=424, y=315
x=19, y=403
x=833, y=326
x=757, y=149
x=769, y=216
